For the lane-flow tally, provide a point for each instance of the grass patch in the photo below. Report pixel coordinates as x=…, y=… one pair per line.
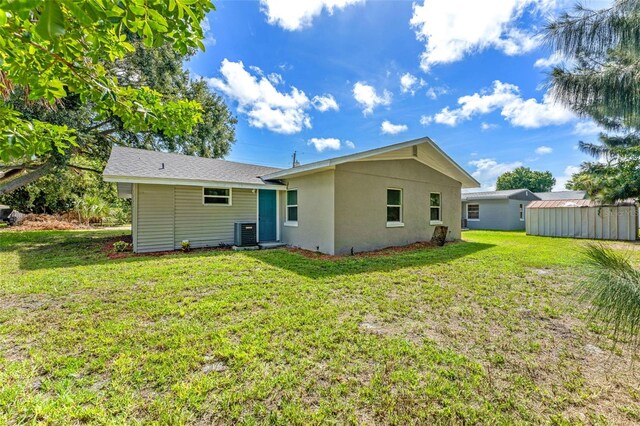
x=484, y=331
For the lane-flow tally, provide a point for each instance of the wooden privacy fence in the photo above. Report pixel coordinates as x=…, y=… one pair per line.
x=583, y=219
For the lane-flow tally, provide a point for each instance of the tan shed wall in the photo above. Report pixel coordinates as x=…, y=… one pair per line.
x=598, y=223
x=361, y=204
x=166, y=215
x=315, y=230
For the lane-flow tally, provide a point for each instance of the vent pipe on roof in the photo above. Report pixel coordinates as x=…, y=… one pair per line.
x=161, y=166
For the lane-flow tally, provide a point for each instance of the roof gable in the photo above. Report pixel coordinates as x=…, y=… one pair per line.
x=423, y=150
x=509, y=194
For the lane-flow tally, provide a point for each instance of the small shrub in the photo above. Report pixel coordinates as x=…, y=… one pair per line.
x=121, y=246
x=186, y=245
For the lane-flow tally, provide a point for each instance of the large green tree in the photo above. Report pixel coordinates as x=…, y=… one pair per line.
x=525, y=178
x=602, y=82
x=58, y=54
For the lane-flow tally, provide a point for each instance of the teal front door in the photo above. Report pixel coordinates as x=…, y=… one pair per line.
x=267, y=215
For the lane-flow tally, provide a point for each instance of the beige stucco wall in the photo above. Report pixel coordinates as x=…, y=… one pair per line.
x=361, y=206
x=165, y=215
x=315, y=230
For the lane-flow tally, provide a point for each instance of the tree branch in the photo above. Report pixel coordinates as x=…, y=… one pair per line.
x=23, y=180
x=88, y=169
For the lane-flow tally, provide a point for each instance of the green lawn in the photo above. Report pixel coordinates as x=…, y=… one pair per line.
x=483, y=331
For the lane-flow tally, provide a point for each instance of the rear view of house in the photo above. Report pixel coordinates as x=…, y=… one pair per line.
x=496, y=210
x=394, y=195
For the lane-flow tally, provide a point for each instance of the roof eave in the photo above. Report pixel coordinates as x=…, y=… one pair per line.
x=190, y=182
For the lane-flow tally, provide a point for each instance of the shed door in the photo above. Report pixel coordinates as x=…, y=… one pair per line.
x=267, y=207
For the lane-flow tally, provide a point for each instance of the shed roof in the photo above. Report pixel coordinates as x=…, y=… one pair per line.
x=545, y=204
x=495, y=195
x=561, y=195
x=144, y=166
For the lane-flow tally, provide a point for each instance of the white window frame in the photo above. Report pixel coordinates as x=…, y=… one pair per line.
x=395, y=224
x=228, y=197
x=473, y=220
x=439, y=221
x=521, y=212
x=288, y=222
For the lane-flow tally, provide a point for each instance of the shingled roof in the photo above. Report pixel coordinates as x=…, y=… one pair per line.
x=499, y=195
x=140, y=165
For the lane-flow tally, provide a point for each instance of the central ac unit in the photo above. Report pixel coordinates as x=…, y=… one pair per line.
x=245, y=234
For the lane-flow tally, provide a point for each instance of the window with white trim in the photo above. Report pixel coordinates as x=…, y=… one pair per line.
x=521, y=211
x=292, y=206
x=216, y=196
x=435, y=208
x=473, y=211
x=394, y=205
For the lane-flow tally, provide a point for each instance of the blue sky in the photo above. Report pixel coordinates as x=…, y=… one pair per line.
x=330, y=77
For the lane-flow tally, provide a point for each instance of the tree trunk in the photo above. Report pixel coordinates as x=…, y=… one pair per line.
x=23, y=180
x=440, y=235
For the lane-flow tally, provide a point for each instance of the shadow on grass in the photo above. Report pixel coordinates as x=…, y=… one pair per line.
x=64, y=249
x=348, y=265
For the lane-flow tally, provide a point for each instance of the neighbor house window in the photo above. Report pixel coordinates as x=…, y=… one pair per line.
x=394, y=207
x=473, y=211
x=216, y=196
x=521, y=211
x=435, y=207
x=292, y=206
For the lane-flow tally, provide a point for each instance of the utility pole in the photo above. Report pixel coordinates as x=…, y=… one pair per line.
x=295, y=162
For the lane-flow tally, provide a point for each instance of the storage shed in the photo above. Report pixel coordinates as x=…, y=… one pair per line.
x=583, y=219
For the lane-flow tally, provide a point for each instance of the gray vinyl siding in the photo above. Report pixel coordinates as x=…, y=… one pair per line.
x=155, y=218
x=208, y=225
x=165, y=215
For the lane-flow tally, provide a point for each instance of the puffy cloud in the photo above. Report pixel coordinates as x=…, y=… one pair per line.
x=409, y=83
x=322, y=144
x=488, y=126
x=275, y=78
x=209, y=39
x=425, y=120
x=325, y=103
x=488, y=169
x=368, y=97
x=389, y=128
x=551, y=61
x=296, y=15
x=453, y=28
x=434, y=92
x=543, y=150
x=260, y=101
x=349, y=144
x=528, y=113
x=587, y=128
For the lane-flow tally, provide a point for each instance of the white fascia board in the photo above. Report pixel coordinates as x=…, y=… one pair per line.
x=189, y=182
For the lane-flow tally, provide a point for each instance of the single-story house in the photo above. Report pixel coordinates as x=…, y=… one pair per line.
x=394, y=195
x=561, y=195
x=498, y=210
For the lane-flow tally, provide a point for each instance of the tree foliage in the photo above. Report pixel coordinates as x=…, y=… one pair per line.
x=55, y=51
x=525, y=178
x=602, y=82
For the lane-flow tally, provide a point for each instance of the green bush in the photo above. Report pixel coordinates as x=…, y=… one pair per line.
x=121, y=246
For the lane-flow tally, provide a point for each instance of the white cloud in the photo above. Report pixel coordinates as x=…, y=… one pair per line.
x=561, y=181
x=543, y=150
x=389, y=128
x=409, y=83
x=434, y=92
x=368, y=98
x=322, y=144
x=587, y=128
x=263, y=104
x=529, y=113
x=275, y=78
x=325, y=103
x=425, y=120
x=551, y=61
x=488, y=126
x=453, y=28
x=488, y=170
x=209, y=39
x=296, y=15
